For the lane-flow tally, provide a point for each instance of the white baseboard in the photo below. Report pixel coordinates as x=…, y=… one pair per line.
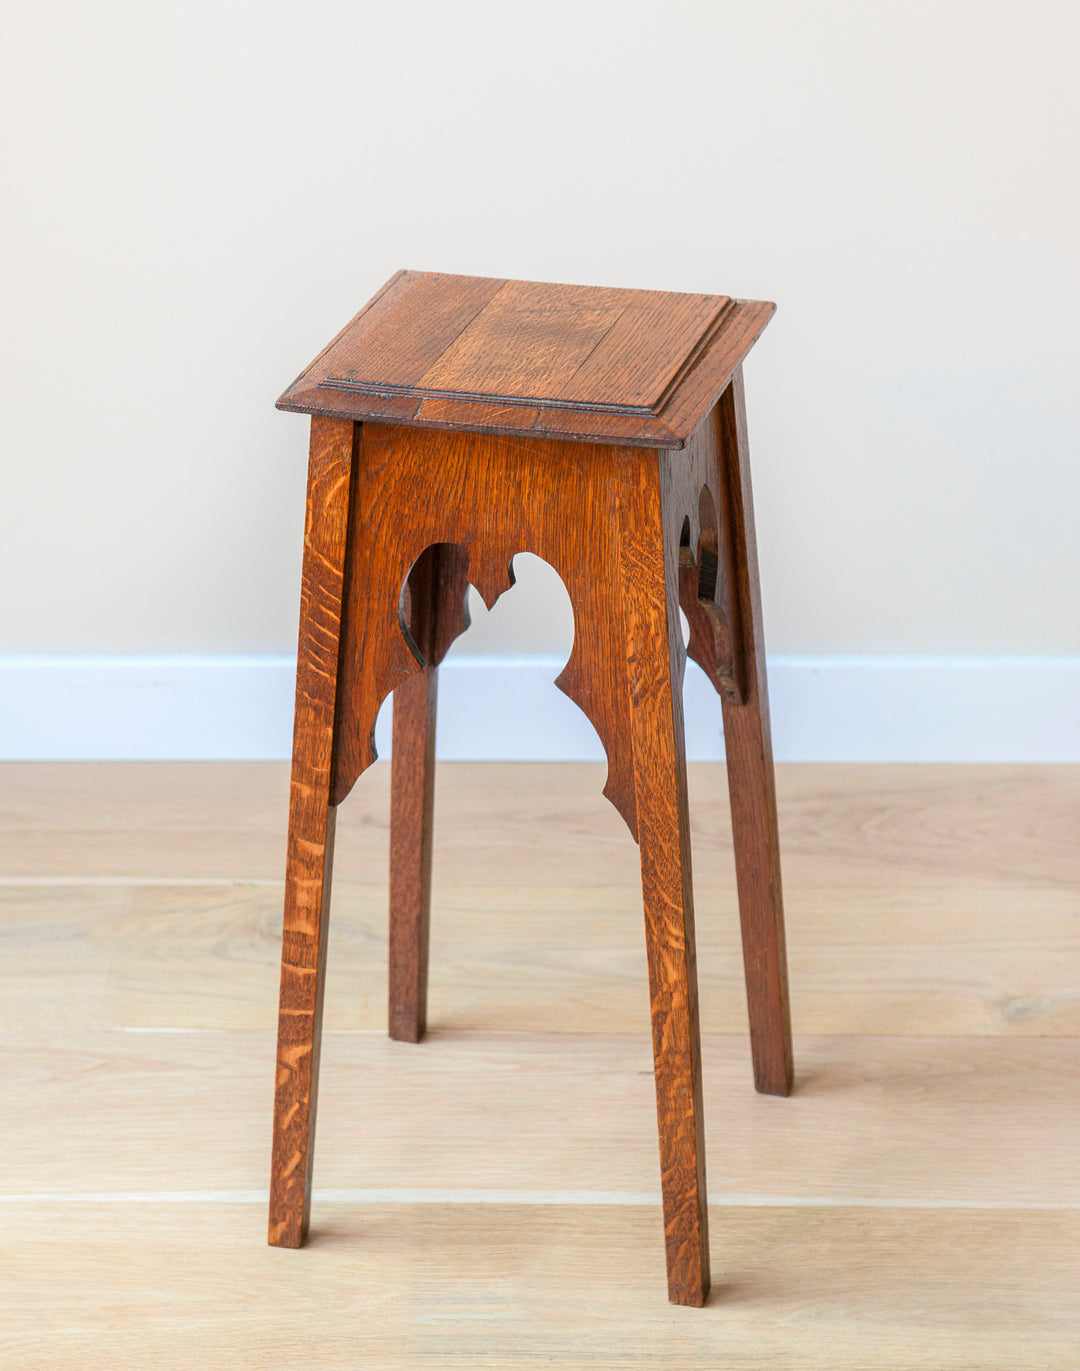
x=872, y=709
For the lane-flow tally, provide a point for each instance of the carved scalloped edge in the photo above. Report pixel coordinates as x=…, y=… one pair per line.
x=468, y=494
x=574, y=683
x=492, y=577
x=581, y=680
x=706, y=600
x=491, y=573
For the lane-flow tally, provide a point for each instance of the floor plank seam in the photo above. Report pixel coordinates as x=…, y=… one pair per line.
x=474, y=1196
x=125, y=882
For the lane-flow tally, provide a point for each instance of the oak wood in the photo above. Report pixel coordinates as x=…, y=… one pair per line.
x=622, y=528
x=493, y=496
x=718, y=589
x=597, y=514
x=748, y=747
x=635, y=367
x=650, y=574
x=412, y=801
x=311, y=829
x=435, y=613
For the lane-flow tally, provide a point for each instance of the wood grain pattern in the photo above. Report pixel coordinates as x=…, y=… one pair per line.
x=934, y=1120
x=494, y=497
x=311, y=828
x=543, y=950
x=529, y=342
x=597, y=514
x=649, y=556
x=983, y=832
x=751, y=782
x=923, y=900
x=611, y=523
x=512, y=1287
x=632, y=367
x=435, y=613
x=722, y=601
x=620, y=527
x=416, y=317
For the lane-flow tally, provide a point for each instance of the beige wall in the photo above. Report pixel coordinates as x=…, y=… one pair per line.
x=196, y=196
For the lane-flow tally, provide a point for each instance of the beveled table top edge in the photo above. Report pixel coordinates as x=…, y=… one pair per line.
x=668, y=427
x=666, y=440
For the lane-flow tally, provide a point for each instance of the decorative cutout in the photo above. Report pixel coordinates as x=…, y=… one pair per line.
x=437, y=512
x=434, y=605
x=706, y=605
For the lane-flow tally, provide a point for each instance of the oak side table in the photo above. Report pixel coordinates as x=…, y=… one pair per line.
x=457, y=421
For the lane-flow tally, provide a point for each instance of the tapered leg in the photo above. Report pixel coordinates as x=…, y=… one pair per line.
x=412, y=798
x=656, y=725
x=311, y=829
x=751, y=781
x=436, y=614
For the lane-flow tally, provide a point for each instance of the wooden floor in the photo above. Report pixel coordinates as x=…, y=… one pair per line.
x=490, y=1198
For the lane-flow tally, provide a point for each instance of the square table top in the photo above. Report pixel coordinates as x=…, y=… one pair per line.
x=633, y=367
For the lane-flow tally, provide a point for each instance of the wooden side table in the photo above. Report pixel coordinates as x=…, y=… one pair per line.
x=457, y=421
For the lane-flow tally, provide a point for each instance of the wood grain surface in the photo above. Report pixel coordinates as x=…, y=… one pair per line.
x=497, y=1287
x=931, y=1120
x=748, y=747
x=199, y=956
x=310, y=843
x=624, y=530
x=610, y=522
x=648, y=550
x=720, y=595
x=435, y=613
x=914, y=1204
x=634, y=367
x=979, y=830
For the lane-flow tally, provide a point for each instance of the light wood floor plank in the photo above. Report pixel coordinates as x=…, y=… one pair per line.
x=927, y=827
x=990, y=1121
x=408, y=1288
x=915, y=1204
x=871, y=960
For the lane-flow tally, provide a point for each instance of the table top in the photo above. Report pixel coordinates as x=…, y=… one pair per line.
x=634, y=367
